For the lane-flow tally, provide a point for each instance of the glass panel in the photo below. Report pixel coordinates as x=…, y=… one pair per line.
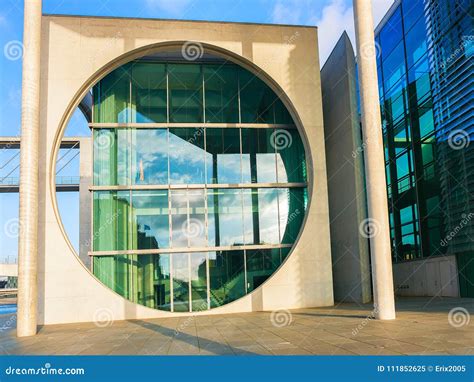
x=258, y=156
x=426, y=122
x=198, y=281
x=416, y=42
x=180, y=282
x=116, y=272
x=419, y=77
x=186, y=94
x=394, y=66
x=197, y=218
x=292, y=206
x=222, y=94
x=150, y=219
x=284, y=252
x=391, y=33
x=112, y=97
x=223, y=155
x=187, y=156
x=268, y=223
x=179, y=218
x=225, y=220
x=258, y=103
x=260, y=266
x=291, y=163
x=149, y=92
x=161, y=283
x=226, y=277
x=111, y=220
x=150, y=156
x=412, y=11
x=250, y=216
x=111, y=157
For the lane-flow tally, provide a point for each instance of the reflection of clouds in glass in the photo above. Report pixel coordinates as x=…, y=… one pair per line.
x=266, y=169
x=284, y=207
x=186, y=161
x=268, y=216
x=150, y=147
x=281, y=169
x=228, y=168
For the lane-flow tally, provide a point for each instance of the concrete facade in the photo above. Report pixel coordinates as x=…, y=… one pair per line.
x=78, y=51
x=344, y=155
x=436, y=276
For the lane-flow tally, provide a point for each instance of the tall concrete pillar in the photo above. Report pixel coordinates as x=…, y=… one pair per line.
x=28, y=233
x=377, y=224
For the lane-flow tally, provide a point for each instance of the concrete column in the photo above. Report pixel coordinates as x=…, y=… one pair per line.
x=377, y=225
x=28, y=233
x=85, y=198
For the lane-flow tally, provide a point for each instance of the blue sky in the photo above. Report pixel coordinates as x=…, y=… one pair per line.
x=331, y=16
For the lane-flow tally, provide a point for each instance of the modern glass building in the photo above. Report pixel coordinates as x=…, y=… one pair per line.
x=426, y=85
x=199, y=182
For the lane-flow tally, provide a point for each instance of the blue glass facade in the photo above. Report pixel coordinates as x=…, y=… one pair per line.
x=426, y=79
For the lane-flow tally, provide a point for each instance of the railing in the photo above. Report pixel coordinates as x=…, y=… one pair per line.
x=60, y=180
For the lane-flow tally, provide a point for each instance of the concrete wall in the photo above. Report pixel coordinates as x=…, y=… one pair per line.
x=77, y=51
x=437, y=276
x=344, y=156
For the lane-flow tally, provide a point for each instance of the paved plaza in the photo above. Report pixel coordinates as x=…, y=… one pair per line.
x=423, y=326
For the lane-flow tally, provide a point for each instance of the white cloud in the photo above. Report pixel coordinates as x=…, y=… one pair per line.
x=335, y=18
x=288, y=13
x=172, y=7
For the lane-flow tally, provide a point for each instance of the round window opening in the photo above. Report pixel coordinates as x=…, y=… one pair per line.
x=199, y=182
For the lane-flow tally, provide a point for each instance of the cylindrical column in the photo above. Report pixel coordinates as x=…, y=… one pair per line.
x=28, y=232
x=374, y=163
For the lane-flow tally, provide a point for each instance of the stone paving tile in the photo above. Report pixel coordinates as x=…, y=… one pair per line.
x=421, y=327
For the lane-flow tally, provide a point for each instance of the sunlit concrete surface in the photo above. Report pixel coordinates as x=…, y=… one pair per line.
x=423, y=326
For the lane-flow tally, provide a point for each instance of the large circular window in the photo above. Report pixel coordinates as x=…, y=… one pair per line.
x=199, y=182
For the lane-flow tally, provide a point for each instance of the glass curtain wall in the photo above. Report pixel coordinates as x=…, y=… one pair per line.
x=425, y=82
x=179, y=196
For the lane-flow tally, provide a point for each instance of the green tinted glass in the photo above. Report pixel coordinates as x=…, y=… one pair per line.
x=185, y=93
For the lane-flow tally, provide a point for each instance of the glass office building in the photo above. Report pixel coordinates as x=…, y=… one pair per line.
x=199, y=182
x=426, y=86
